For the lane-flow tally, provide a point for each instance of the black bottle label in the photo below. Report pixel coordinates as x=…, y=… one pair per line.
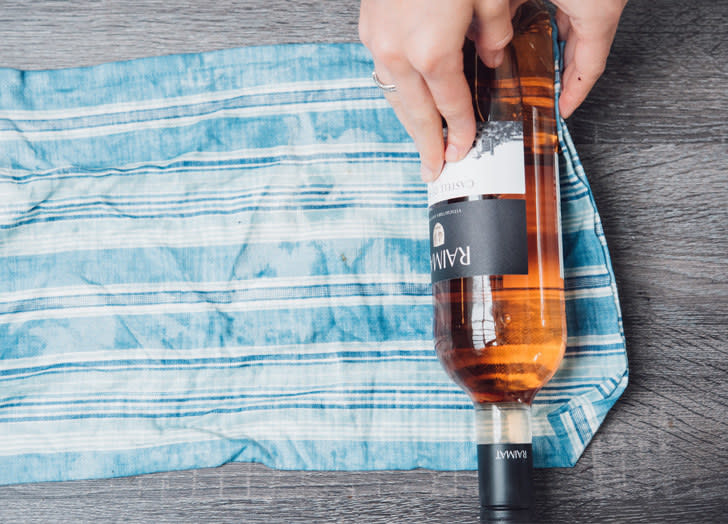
x=478, y=237
x=474, y=235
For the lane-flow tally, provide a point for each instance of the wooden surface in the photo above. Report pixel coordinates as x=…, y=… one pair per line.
x=654, y=141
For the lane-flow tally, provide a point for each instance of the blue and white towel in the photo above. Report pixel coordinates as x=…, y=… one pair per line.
x=224, y=257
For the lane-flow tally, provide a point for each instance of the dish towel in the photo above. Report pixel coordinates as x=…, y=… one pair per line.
x=224, y=257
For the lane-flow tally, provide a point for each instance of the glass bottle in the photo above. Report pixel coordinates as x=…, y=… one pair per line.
x=496, y=260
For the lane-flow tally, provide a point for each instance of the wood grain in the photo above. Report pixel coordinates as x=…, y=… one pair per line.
x=665, y=80
x=653, y=136
x=55, y=34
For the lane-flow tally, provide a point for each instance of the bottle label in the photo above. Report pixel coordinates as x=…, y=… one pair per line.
x=481, y=236
x=494, y=166
x=478, y=237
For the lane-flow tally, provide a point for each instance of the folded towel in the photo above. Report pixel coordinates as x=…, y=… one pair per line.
x=224, y=257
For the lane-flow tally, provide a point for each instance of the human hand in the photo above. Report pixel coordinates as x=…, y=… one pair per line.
x=588, y=27
x=417, y=46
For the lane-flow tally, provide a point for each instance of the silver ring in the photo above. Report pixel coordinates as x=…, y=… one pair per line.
x=387, y=88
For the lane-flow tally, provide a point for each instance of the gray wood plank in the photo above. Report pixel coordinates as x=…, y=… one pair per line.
x=653, y=139
x=54, y=34
x=666, y=78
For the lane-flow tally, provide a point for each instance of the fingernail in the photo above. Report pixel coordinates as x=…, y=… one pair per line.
x=451, y=153
x=498, y=58
x=428, y=175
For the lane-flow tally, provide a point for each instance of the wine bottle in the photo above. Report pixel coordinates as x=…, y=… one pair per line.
x=496, y=259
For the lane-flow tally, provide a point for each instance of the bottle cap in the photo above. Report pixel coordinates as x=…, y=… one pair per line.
x=504, y=477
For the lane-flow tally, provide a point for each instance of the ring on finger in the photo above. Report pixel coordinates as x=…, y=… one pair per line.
x=387, y=88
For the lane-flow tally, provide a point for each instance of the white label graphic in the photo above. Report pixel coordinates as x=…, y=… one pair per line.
x=493, y=166
x=438, y=235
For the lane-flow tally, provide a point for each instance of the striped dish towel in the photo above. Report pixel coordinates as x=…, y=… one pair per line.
x=223, y=257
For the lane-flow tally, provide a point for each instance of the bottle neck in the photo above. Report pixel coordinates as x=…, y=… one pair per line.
x=503, y=423
x=505, y=463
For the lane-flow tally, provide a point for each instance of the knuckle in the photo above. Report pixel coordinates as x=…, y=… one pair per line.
x=386, y=51
x=365, y=34
x=390, y=55
x=432, y=60
x=382, y=47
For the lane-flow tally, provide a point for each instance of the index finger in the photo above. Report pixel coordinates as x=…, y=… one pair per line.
x=585, y=58
x=451, y=94
x=589, y=33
